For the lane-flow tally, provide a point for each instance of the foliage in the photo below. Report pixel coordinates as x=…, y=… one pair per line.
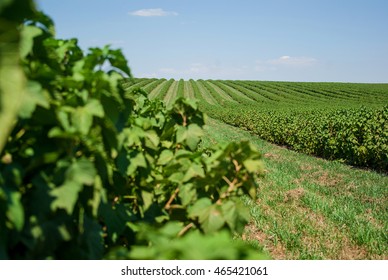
x=90, y=170
x=355, y=136
x=12, y=79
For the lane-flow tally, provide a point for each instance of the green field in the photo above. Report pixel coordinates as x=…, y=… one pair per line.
x=345, y=122
x=307, y=207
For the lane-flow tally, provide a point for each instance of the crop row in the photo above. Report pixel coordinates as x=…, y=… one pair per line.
x=162, y=89
x=356, y=136
x=216, y=92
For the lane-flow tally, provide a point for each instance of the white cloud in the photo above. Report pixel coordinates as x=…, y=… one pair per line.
x=284, y=62
x=293, y=61
x=153, y=13
x=199, y=70
x=281, y=68
x=167, y=71
x=260, y=66
x=149, y=75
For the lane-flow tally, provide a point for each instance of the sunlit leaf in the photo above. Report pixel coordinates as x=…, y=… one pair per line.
x=15, y=211
x=165, y=157
x=28, y=33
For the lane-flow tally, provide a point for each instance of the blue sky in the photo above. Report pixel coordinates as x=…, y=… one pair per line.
x=279, y=40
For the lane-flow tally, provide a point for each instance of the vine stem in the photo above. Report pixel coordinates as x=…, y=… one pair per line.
x=185, y=229
x=173, y=196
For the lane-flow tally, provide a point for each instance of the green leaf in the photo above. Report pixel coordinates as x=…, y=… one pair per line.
x=82, y=120
x=253, y=165
x=229, y=212
x=195, y=170
x=15, y=211
x=152, y=139
x=243, y=216
x=199, y=207
x=46, y=21
x=212, y=220
x=209, y=215
x=35, y=96
x=63, y=118
x=171, y=229
x=252, y=191
x=28, y=33
x=56, y=132
x=118, y=60
x=176, y=177
x=142, y=253
x=191, y=103
x=147, y=199
x=12, y=83
x=181, y=134
x=165, y=157
x=187, y=194
x=94, y=108
x=99, y=196
x=81, y=172
x=66, y=196
x=136, y=159
x=78, y=174
x=193, y=135
x=93, y=239
x=116, y=219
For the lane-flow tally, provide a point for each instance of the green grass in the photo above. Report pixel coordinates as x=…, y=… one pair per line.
x=310, y=208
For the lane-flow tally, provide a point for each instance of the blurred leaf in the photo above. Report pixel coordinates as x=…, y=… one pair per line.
x=181, y=134
x=165, y=157
x=94, y=108
x=199, y=208
x=212, y=219
x=152, y=139
x=137, y=159
x=15, y=211
x=209, y=215
x=82, y=120
x=118, y=60
x=147, y=199
x=66, y=196
x=253, y=165
x=194, y=134
x=35, y=97
x=78, y=174
x=230, y=213
x=81, y=172
x=195, y=170
x=28, y=33
x=187, y=194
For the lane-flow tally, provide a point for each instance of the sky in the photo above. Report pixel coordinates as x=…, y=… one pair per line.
x=272, y=40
